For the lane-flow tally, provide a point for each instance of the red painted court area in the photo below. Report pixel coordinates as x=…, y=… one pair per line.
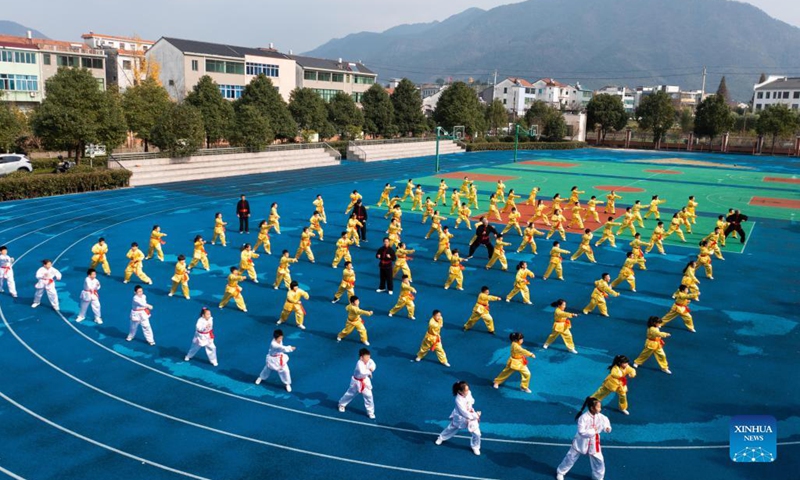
x=664, y=172
x=782, y=180
x=543, y=163
x=527, y=212
x=775, y=202
x=608, y=188
x=480, y=177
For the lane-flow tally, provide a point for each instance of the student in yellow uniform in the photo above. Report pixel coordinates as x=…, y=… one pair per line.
x=714, y=240
x=442, y=193
x=577, y=218
x=540, y=212
x=246, y=264
x=555, y=261
x=561, y=326
x=233, y=291
x=401, y=263
x=472, y=198
x=481, y=310
x=517, y=362
x=513, y=222
x=684, y=216
x=691, y=209
x=319, y=207
x=444, y=244
x=722, y=224
x=354, y=321
x=432, y=341
x=342, y=250
x=510, y=201
x=575, y=195
x=263, y=238
x=409, y=192
x=500, y=191
x=348, y=283
x=608, y=233
x=690, y=277
x=352, y=229
x=100, y=255
x=556, y=203
x=617, y=382
x=180, y=278
x=626, y=272
x=393, y=232
x=273, y=221
x=315, y=226
x=585, y=248
x=464, y=213
x=611, y=202
x=219, y=230
x=521, y=283
x=627, y=222
x=675, y=227
x=294, y=304
x=417, y=203
x=654, y=344
x=638, y=253
x=532, y=196
x=135, y=257
x=354, y=197
x=681, y=307
x=387, y=190
x=591, y=209
x=528, y=238
x=283, y=274
x=455, y=201
x=704, y=259
x=405, y=299
x=455, y=273
x=305, y=245
x=653, y=210
x=657, y=239
x=465, y=184
x=557, y=224
x=499, y=253
x=600, y=292
x=636, y=210
x=493, y=210
x=396, y=213
x=155, y=243
x=436, y=223
x=199, y=256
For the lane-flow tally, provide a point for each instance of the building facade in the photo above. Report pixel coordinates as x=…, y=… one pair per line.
x=517, y=94
x=124, y=57
x=20, y=74
x=328, y=77
x=627, y=95
x=777, y=91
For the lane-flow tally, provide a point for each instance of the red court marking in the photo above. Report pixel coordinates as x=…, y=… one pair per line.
x=665, y=172
x=781, y=180
x=477, y=176
x=543, y=163
x=616, y=188
x=527, y=212
x=775, y=202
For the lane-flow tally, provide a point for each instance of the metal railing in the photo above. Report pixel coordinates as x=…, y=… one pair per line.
x=227, y=151
x=360, y=153
x=72, y=49
x=393, y=140
x=336, y=154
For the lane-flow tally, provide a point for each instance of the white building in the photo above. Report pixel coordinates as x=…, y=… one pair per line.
x=124, y=57
x=429, y=103
x=517, y=94
x=626, y=94
x=577, y=97
x=328, y=77
x=552, y=92
x=21, y=81
x=777, y=90
x=428, y=89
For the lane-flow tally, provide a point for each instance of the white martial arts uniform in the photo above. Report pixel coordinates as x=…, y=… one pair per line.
x=464, y=416
x=587, y=442
x=7, y=274
x=46, y=282
x=361, y=382
x=204, y=337
x=140, y=315
x=89, y=296
x=278, y=361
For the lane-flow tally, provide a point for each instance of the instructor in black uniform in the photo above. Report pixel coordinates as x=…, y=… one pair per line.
x=482, y=237
x=735, y=224
x=386, y=258
x=243, y=212
x=361, y=214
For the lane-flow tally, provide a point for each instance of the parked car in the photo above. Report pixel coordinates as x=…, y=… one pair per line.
x=14, y=162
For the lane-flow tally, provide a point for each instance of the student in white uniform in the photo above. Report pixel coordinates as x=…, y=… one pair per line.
x=140, y=315
x=463, y=416
x=278, y=361
x=46, y=278
x=7, y=272
x=361, y=382
x=587, y=440
x=89, y=296
x=204, y=337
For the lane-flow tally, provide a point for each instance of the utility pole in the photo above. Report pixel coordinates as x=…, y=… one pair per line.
x=703, y=90
x=494, y=85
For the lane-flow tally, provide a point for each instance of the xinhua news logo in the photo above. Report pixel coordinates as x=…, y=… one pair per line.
x=754, y=439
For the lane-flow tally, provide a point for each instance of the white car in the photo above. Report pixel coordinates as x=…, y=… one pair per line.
x=14, y=162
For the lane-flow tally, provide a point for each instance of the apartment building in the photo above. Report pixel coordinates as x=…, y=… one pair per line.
x=327, y=77
x=627, y=95
x=777, y=90
x=125, y=65
x=517, y=94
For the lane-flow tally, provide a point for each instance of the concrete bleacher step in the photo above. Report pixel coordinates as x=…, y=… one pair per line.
x=388, y=151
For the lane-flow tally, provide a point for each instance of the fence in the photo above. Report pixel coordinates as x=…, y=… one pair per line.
x=229, y=150
x=689, y=143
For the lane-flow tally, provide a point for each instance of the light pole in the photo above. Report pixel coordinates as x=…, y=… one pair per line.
x=439, y=131
x=516, y=141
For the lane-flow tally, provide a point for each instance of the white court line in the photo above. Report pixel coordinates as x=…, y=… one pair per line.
x=93, y=442
x=11, y=474
x=750, y=234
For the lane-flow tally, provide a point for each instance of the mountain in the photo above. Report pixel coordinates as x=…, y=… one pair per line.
x=7, y=27
x=596, y=42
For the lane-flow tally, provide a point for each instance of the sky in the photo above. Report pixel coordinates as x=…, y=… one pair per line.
x=297, y=25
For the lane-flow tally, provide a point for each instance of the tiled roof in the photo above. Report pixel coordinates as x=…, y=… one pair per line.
x=13, y=44
x=786, y=83
x=520, y=81
x=325, y=64
x=552, y=83
x=220, y=50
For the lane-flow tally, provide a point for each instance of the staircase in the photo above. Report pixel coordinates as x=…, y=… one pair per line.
x=373, y=151
x=150, y=169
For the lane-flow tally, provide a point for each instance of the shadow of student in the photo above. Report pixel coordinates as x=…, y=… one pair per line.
x=416, y=437
x=522, y=460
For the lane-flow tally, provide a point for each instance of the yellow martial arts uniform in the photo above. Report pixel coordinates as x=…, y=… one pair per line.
x=608, y=234
x=577, y=219
x=510, y=202
x=444, y=245
x=219, y=232
x=155, y=245
x=417, y=203
x=704, y=260
x=556, y=205
x=557, y=224
x=348, y=284
x=385, y=195
x=675, y=227
x=685, y=217
x=616, y=382
x=401, y=262
x=575, y=196
x=611, y=201
x=319, y=207
x=455, y=202
x=654, y=345
x=394, y=234
x=305, y=246
x=100, y=256
x=354, y=322
x=690, y=280
x=528, y=239
x=465, y=186
x=436, y=224
x=555, y=263
x=638, y=254
x=513, y=222
x=532, y=196
x=681, y=309
x=626, y=274
x=263, y=239
x=585, y=248
x=354, y=198
x=342, y=251
x=540, y=213
x=494, y=212
x=283, y=273
x=455, y=273
x=293, y=304
x=561, y=327
x=656, y=239
x=627, y=223
x=432, y=341
x=135, y=258
x=499, y=254
x=521, y=286
x=598, y=299
x=691, y=209
x=442, y=194
x=722, y=225
x=591, y=207
x=314, y=226
x=481, y=312
x=653, y=210
x=405, y=300
x=463, y=216
x=517, y=362
x=636, y=211
x=273, y=221
x=246, y=264
x=500, y=191
x=199, y=255
x=472, y=198
x=181, y=277
x=714, y=240
x=234, y=292
x=409, y=191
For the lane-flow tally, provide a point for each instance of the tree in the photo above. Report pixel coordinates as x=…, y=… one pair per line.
x=251, y=128
x=713, y=116
x=310, y=112
x=656, y=113
x=496, y=115
x=606, y=112
x=459, y=105
x=12, y=127
x=378, y=112
x=179, y=131
x=722, y=90
x=537, y=114
x=263, y=94
x=686, y=120
x=69, y=116
x=344, y=115
x=113, y=129
x=762, y=78
x=778, y=121
x=144, y=105
x=555, y=127
x=217, y=112
x=407, y=103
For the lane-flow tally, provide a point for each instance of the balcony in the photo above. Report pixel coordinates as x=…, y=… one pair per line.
x=77, y=49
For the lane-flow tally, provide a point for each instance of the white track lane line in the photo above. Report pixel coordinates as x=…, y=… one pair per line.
x=10, y=473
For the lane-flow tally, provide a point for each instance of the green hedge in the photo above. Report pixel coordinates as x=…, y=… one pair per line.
x=21, y=186
x=479, y=147
x=51, y=163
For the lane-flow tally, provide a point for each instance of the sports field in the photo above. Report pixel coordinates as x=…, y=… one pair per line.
x=78, y=401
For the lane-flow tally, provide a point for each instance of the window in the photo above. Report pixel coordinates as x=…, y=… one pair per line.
x=540, y=91
x=363, y=80
x=504, y=101
x=794, y=106
x=309, y=75
x=323, y=76
x=785, y=94
x=760, y=95
x=231, y=92
x=126, y=65
x=221, y=66
x=259, y=68
x=91, y=62
x=796, y=95
x=505, y=90
x=101, y=83
x=46, y=58
x=338, y=77
x=357, y=97
x=67, y=61
x=326, y=94
x=767, y=96
x=17, y=57
x=171, y=82
x=195, y=65
x=758, y=106
x=19, y=83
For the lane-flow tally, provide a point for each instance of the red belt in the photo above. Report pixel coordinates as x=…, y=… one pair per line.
x=280, y=355
x=524, y=359
x=436, y=342
x=93, y=292
x=624, y=380
x=485, y=305
x=362, y=384
x=145, y=310
x=210, y=333
x=597, y=442
x=601, y=292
